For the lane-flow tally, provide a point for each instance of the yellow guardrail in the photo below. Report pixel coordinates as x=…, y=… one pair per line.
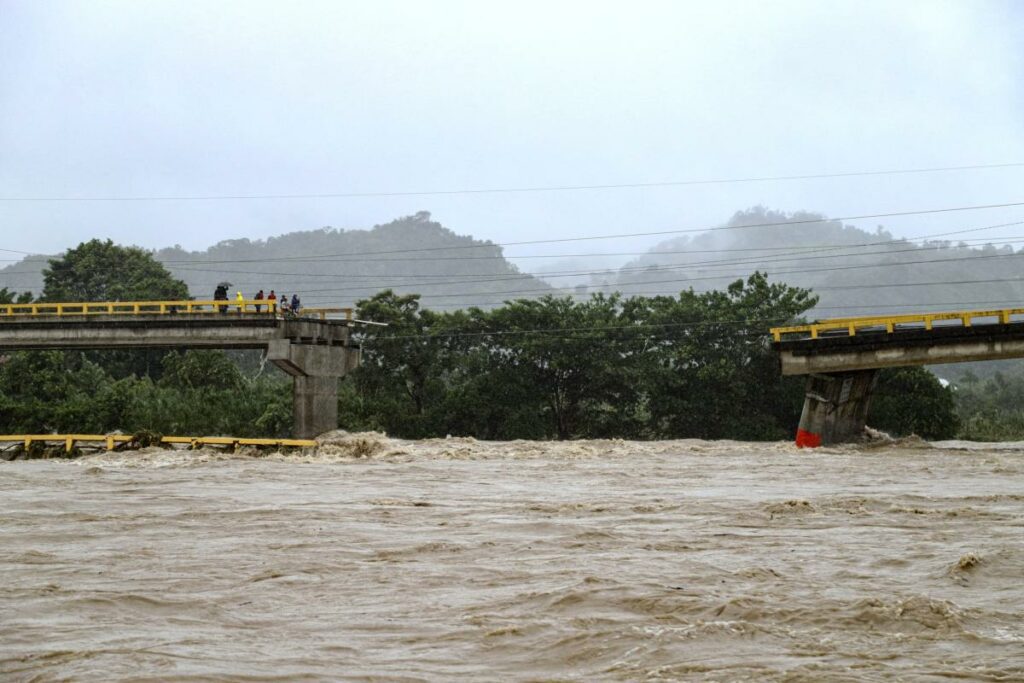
x=139, y=307
x=248, y=306
x=893, y=322
x=112, y=440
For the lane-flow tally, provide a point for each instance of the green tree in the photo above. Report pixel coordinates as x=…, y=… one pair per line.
x=709, y=370
x=48, y=391
x=912, y=401
x=401, y=383
x=104, y=271
x=569, y=361
x=9, y=297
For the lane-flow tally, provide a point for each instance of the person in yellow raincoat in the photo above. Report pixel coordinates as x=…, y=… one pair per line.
x=241, y=301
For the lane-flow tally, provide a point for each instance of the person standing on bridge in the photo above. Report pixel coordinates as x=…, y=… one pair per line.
x=241, y=301
x=259, y=297
x=221, y=294
x=271, y=301
x=296, y=304
x=284, y=304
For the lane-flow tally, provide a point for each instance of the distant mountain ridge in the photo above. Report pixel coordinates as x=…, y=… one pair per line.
x=855, y=272
x=338, y=266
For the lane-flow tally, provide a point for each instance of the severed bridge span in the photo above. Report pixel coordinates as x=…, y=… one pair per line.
x=312, y=346
x=841, y=358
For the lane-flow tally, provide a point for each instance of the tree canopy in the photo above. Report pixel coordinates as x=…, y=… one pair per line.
x=104, y=271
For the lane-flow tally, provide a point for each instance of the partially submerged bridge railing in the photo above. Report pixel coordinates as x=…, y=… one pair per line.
x=894, y=323
x=113, y=441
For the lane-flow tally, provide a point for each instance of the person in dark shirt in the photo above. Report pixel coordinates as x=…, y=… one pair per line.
x=258, y=297
x=221, y=294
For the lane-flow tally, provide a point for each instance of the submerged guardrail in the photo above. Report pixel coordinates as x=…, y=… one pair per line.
x=112, y=441
x=891, y=324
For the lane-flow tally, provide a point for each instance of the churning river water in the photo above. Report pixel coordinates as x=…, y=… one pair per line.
x=384, y=560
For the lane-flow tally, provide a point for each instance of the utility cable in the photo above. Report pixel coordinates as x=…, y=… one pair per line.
x=507, y=190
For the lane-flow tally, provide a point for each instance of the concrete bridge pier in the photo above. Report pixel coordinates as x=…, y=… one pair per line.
x=315, y=371
x=835, y=407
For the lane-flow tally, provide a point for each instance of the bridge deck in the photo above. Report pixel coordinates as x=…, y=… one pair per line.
x=249, y=330
x=847, y=344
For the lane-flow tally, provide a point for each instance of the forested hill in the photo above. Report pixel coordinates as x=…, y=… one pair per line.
x=338, y=267
x=855, y=272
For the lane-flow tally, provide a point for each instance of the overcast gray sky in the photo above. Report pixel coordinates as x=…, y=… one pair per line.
x=215, y=98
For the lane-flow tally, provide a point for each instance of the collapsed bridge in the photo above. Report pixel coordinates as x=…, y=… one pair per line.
x=841, y=358
x=315, y=350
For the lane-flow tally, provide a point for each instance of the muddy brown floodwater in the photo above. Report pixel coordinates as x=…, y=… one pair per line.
x=384, y=560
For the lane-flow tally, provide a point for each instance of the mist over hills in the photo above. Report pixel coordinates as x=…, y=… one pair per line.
x=855, y=272
x=338, y=267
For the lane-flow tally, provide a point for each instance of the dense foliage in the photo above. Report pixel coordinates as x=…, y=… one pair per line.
x=913, y=401
x=992, y=409
x=200, y=392
x=696, y=364
x=103, y=271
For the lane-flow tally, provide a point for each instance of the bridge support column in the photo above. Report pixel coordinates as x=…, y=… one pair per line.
x=314, y=405
x=315, y=371
x=835, y=407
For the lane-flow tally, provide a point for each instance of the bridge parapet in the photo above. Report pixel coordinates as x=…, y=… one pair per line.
x=191, y=306
x=891, y=324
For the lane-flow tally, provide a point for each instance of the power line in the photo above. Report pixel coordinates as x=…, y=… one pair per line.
x=478, y=278
x=771, y=224
x=630, y=327
x=845, y=307
x=805, y=221
x=503, y=293
x=465, y=279
x=803, y=250
x=510, y=190
x=721, y=276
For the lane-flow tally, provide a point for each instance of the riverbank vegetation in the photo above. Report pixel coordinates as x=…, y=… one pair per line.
x=691, y=365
